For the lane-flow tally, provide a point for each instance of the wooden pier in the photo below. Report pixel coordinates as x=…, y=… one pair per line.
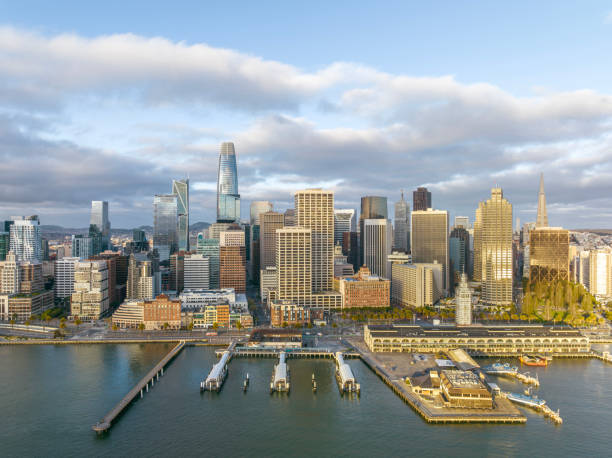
x=149, y=379
x=246, y=352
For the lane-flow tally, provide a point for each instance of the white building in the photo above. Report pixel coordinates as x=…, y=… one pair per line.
x=344, y=221
x=90, y=298
x=25, y=238
x=9, y=275
x=64, y=277
x=268, y=281
x=196, y=271
x=463, y=299
x=194, y=299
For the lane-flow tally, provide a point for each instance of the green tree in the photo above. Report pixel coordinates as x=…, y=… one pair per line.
x=586, y=304
x=141, y=327
x=238, y=325
x=190, y=326
x=215, y=325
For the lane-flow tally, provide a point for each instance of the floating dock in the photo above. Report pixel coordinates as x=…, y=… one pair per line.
x=535, y=403
x=139, y=388
x=280, y=378
x=217, y=375
x=511, y=371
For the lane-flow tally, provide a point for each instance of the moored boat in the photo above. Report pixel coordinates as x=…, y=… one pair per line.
x=533, y=360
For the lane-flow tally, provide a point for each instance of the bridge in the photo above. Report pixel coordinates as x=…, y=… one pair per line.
x=149, y=379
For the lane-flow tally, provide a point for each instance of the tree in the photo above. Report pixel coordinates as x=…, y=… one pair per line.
x=141, y=327
x=77, y=321
x=114, y=327
x=238, y=325
x=215, y=325
x=190, y=326
x=284, y=324
x=587, y=303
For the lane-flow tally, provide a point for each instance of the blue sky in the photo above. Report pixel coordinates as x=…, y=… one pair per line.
x=112, y=101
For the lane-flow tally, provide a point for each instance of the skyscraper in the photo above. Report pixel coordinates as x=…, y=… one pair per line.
x=210, y=249
x=542, y=218
x=429, y=240
x=165, y=225
x=228, y=199
x=493, y=249
x=180, y=188
x=344, y=221
x=421, y=199
x=25, y=238
x=232, y=261
x=99, y=219
x=315, y=211
x=197, y=275
x=90, y=297
x=257, y=208
x=294, y=265
x=462, y=221
x=401, y=239
x=269, y=223
x=372, y=207
x=377, y=238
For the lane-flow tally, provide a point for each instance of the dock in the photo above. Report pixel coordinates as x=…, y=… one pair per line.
x=255, y=352
x=105, y=423
x=344, y=376
x=280, y=377
x=217, y=374
x=602, y=355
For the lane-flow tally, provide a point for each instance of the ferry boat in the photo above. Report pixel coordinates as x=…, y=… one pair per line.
x=533, y=360
x=499, y=368
x=529, y=401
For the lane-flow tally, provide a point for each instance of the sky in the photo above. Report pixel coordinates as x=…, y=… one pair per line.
x=112, y=101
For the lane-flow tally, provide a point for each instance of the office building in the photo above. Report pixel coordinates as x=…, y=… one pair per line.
x=268, y=283
x=294, y=265
x=99, y=225
x=549, y=255
x=463, y=299
x=257, y=208
x=315, y=211
x=462, y=265
x=421, y=199
x=177, y=272
x=429, y=240
x=165, y=225
x=117, y=265
x=364, y=290
x=401, y=227
x=341, y=267
x=290, y=218
x=232, y=261
x=210, y=249
x=269, y=222
x=377, y=239
x=493, y=249
x=139, y=241
x=90, y=298
x=180, y=188
x=196, y=299
x=228, y=199
x=350, y=248
x=284, y=313
x=159, y=313
x=462, y=222
x=399, y=257
x=600, y=273
x=344, y=221
x=372, y=207
x=416, y=285
x=25, y=238
x=9, y=275
x=64, y=277
x=5, y=245
x=82, y=246
x=197, y=275
x=457, y=250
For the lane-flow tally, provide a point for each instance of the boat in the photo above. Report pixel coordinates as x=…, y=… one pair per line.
x=533, y=360
x=499, y=368
x=529, y=401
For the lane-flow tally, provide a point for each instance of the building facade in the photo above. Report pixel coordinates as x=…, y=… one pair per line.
x=196, y=272
x=429, y=240
x=210, y=249
x=421, y=199
x=90, y=298
x=416, y=285
x=165, y=225
x=269, y=222
x=401, y=226
x=377, y=240
x=232, y=261
x=228, y=199
x=364, y=290
x=463, y=299
x=283, y=314
x=25, y=240
x=549, y=255
x=344, y=221
x=180, y=188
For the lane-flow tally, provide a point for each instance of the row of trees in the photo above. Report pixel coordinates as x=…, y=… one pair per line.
x=548, y=299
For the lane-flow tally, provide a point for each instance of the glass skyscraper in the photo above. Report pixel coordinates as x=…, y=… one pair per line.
x=181, y=189
x=25, y=238
x=210, y=249
x=228, y=199
x=401, y=241
x=165, y=225
x=99, y=219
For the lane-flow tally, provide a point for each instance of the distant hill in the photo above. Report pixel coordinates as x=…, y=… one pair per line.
x=53, y=231
x=594, y=231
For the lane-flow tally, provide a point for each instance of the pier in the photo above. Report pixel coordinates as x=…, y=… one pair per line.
x=280, y=378
x=602, y=355
x=217, y=374
x=255, y=352
x=344, y=376
x=149, y=379
x=511, y=371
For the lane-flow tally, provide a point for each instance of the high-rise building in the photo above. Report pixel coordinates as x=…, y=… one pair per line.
x=90, y=298
x=228, y=199
x=165, y=225
x=315, y=211
x=82, y=246
x=64, y=277
x=429, y=240
x=257, y=208
x=5, y=245
x=377, y=238
x=100, y=222
x=401, y=239
x=600, y=270
x=177, y=272
x=232, y=261
x=344, y=221
x=463, y=299
x=421, y=199
x=117, y=265
x=549, y=254
x=416, y=285
x=542, y=217
x=9, y=274
x=268, y=282
x=350, y=248
x=210, y=249
x=493, y=249
x=294, y=265
x=290, y=218
x=180, y=188
x=25, y=238
x=139, y=241
x=456, y=248
x=372, y=207
x=459, y=232
x=462, y=222
x=197, y=275
x=269, y=222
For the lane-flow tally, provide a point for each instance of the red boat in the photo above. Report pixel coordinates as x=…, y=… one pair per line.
x=533, y=360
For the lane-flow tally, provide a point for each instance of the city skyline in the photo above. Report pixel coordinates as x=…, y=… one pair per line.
x=448, y=118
